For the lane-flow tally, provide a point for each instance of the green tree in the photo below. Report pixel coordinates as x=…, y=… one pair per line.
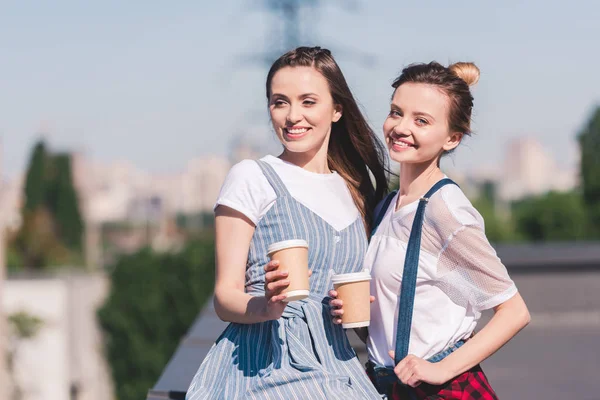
x=497, y=229
x=153, y=301
x=35, y=178
x=589, y=142
x=62, y=201
x=52, y=229
x=553, y=216
x=36, y=243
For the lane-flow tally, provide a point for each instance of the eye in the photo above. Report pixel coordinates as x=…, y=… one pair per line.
x=421, y=121
x=309, y=102
x=278, y=103
x=395, y=113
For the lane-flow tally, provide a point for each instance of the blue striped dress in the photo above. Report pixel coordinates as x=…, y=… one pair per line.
x=302, y=355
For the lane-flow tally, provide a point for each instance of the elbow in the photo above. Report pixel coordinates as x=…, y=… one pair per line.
x=526, y=318
x=523, y=316
x=516, y=312
x=219, y=307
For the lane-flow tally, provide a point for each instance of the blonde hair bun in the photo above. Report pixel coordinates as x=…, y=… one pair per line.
x=467, y=71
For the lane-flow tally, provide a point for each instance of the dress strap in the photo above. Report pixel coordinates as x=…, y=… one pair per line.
x=274, y=179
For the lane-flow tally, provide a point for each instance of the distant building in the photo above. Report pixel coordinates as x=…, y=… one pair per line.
x=121, y=192
x=529, y=170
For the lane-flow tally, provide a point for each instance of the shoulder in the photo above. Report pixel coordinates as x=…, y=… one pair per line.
x=247, y=190
x=451, y=205
x=247, y=174
x=244, y=170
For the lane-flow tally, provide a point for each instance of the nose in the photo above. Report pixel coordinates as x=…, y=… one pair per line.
x=402, y=128
x=294, y=114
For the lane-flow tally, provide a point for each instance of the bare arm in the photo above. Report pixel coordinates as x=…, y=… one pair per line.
x=233, y=235
x=471, y=251
x=509, y=318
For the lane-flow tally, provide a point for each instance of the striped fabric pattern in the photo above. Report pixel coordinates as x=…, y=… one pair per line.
x=303, y=355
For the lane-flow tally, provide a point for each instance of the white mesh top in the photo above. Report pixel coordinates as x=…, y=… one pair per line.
x=459, y=275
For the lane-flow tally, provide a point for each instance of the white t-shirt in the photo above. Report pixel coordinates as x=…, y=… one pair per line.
x=247, y=190
x=459, y=275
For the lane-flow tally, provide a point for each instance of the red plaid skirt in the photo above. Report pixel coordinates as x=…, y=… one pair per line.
x=472, y=384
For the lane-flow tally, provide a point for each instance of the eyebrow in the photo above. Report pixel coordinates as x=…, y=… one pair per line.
x=416, y=112
x=301, y=96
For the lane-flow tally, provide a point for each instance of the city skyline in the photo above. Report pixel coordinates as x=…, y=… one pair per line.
x=150, y=84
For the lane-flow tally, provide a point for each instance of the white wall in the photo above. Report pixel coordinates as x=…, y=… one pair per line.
x=68, y=347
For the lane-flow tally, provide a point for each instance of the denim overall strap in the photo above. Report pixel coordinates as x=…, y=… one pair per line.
x=409, y=276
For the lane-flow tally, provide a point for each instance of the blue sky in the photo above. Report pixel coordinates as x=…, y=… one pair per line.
x=161, y=82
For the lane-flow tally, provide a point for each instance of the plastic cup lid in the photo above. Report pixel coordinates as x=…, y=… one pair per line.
x=286, y=244
x=352, y=277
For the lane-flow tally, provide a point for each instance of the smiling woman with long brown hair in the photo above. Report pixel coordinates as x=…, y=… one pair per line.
x=319, y=190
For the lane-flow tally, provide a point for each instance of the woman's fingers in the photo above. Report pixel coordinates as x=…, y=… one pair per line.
x=277, y=298
x=275, y=275
x=336, y=303
x=272, y=265
x=278, y=285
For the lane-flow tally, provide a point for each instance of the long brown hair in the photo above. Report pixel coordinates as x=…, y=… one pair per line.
x=354, y=149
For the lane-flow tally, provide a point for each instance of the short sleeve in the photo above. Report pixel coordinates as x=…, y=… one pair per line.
x=246, y=190
x=471, y=270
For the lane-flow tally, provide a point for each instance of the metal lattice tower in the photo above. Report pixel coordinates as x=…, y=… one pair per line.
x=288, y=28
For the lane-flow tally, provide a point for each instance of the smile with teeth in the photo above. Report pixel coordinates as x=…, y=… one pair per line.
x=402, y=144
x=296, y=131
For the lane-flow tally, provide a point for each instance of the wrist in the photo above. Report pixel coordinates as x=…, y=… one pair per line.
x=257, y=309
x=265, y=311
x=448, y=369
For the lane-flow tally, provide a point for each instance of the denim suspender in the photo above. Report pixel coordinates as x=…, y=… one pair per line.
x=409, y=276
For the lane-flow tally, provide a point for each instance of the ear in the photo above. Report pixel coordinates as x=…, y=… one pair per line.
x=337, y=114
x=453, y=141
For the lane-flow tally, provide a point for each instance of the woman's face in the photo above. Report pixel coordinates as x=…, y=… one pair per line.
x=302, y=109
x=416, y=129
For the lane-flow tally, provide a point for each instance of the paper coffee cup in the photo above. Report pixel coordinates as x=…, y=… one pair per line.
x=355, y=292
x=293, y=257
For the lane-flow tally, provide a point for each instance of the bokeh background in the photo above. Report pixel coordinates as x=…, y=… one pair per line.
x=121, y=119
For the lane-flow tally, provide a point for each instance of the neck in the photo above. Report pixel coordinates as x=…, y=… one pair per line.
x=416, y=179
x=313, y=161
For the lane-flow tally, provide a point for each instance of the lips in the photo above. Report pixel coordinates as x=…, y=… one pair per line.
x=295, y=132
x=400, y=144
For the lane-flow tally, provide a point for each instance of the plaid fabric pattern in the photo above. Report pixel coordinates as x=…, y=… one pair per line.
x=471, y=385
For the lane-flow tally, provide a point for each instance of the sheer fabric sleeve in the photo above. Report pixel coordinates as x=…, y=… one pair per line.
x=470, y=268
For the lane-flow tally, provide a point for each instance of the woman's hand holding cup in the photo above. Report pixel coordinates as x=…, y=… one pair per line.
x=337, y=306
x=275, y=282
